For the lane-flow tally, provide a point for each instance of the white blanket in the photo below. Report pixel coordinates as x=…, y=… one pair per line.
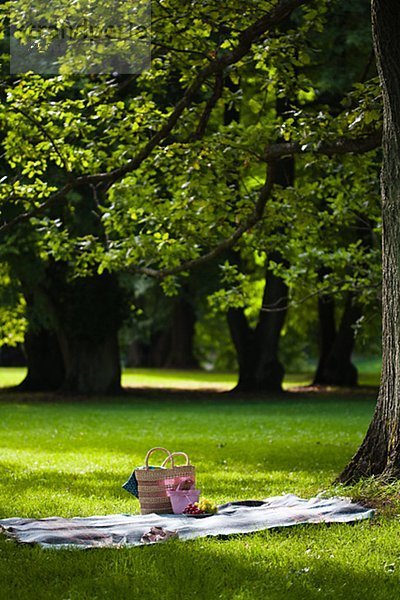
x=232, y=518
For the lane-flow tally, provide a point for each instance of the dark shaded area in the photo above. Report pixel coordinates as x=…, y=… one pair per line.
x=137, y=395
x=45, y=364
x=12, y=356
x=171, y=343
x=336, y=343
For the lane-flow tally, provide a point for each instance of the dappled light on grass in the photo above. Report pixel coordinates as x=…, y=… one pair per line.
x=74, y=457
x=69, y=458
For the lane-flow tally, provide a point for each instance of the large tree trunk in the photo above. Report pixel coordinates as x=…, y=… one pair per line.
x=44, y=362
x=77, y=349
x=91, y=366
x=257, y=349
x=336, y=346
x=379, y=453
x=12, y=356
x=87, y=314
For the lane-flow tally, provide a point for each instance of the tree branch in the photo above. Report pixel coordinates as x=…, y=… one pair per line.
x=52, y=199
x=44, y=131
x=246, y=39
x=340, y=146
x=206, y=114
x=320, y=292
x=248, y=36
x=228, y=242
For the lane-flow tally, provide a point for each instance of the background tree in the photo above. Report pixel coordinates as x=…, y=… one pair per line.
x=67, y=173
x=137, y=162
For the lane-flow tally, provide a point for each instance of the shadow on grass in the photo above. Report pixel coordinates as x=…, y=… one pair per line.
x=264, y=476
x=132, y=395
x=274, y=564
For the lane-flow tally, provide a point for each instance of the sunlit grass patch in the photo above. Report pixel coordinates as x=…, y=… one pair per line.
x=71, y=458
x=192, y=380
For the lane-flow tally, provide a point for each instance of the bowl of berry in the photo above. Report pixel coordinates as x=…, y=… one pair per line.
x=204, y=508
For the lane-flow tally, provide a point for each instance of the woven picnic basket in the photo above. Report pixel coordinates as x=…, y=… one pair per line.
x=154, y=482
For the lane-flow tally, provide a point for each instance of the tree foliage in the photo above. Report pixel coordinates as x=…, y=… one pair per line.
x=142, y=173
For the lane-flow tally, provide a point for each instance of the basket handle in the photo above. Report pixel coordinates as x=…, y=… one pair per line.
x=171, y=458
x=150, y=452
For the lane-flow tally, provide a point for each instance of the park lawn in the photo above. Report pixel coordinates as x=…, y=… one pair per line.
x=192, y=380
x=67, y=457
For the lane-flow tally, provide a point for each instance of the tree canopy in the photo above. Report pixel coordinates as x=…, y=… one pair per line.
x=146, y=174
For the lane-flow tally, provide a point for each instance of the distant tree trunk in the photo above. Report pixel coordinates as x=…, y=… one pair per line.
x=171, y=344
x=257, y=349
x=336, y=346
x=327, y=333
x=379, y=454
x=244, y=340
x=44, y=362
x=151, y=353
x=260, y=369
x=182, y=330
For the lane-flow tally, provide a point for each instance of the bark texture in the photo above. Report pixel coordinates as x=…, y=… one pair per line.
x=379, y=453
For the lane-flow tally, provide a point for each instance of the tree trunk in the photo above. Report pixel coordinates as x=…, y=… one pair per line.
x=257, y=349
x=91, y=366
x=87, y=313
x=76, y=349
x=336, y=347
x=44, y=361
x=269, y=370
x=182, y=330
x=244, y=340
x=260, y=369
x=327, y=333
x=379, y=453
x=171, y=345
x=45, y=365
x=12, y=356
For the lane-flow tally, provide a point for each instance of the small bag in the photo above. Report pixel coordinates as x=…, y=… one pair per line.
x=181, y=497
x=154, y=483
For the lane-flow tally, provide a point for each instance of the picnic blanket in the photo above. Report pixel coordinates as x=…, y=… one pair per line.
x=232, y=518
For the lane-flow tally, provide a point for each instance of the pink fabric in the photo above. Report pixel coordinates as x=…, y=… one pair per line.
x=184, y=494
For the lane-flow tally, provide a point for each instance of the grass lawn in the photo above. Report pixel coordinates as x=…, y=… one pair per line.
x=67, y=457
x=137, y=378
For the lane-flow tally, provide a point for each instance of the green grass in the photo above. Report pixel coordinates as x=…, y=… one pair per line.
x=70, y=458
x=203, y=380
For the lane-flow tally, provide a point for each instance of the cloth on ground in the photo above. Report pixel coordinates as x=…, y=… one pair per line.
x=232, y=518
